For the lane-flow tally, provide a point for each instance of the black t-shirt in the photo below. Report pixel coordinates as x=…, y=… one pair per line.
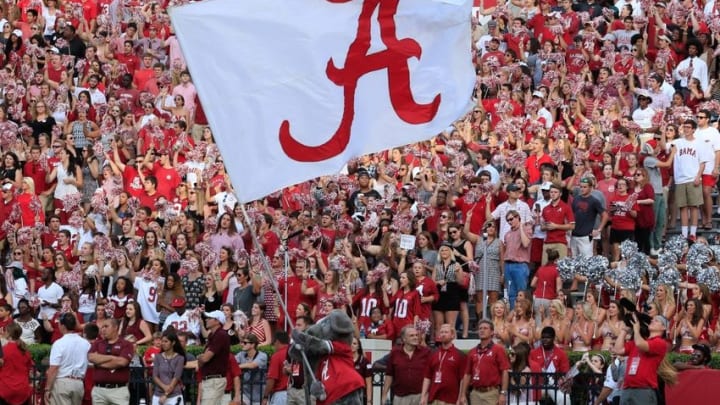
x=585, y=209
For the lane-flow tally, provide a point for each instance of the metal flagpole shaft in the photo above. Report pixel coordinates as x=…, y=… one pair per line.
x=265, y=264
x=485, y=279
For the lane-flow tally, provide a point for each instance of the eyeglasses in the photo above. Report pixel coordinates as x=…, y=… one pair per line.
x=453, y=232
x=246, y=343
x=474, y=185
x=116, y=111
x=17, y=253
x=83, y=261
x=510, y=218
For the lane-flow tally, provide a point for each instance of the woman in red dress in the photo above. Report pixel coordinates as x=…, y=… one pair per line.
x=15, y=371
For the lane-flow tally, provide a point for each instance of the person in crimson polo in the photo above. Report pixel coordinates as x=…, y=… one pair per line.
x=111, y=357
x=446, y=369
x=213, y=362
x=486, y=371
x=405, y=371
x=644, y=358
x=557, y=219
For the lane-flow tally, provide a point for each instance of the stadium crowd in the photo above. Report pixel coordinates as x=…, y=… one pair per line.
x=594, y=131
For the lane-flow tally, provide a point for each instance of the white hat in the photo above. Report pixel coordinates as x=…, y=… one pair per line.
x=17, y=33
x=609, y=37
x=218, y=315
x=538, y=93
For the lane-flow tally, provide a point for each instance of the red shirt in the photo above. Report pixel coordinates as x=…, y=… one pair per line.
x=364, y=302
x=407, y=305
x=275, y=370
x=621, y=219
x=407, y=372
x=445, y=370
x=485, y=365
x=560, y=213
x=532, y=166
x=35, y=171
x=540, y=360
x=641, y=369
x=168, y=180
x=337, y=372
x=121, y=348
x=233, y=371
x=546, y=282
x=427, y=288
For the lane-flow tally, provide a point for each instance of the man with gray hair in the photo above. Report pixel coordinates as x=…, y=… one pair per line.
x=406, y=369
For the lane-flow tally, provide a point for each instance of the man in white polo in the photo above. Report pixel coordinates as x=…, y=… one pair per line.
x=68, y=364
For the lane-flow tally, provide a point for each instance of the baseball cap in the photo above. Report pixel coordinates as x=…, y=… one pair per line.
x=586, y=180
x=609, y=37
x=538, y=93
x=178, y=302
x=363, y=172
x=17, y=33
x=492, y=23
x=217, y=315
x=7, y=187
x=512, y=187
x=545, y=187
x=648, y=147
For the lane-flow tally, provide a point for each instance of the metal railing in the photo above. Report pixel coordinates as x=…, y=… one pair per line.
x=524, y=388
x=532, y=388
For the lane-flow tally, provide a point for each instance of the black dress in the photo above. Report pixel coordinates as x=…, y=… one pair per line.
x=41, y=127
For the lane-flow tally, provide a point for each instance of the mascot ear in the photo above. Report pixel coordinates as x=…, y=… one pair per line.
x=340, y=323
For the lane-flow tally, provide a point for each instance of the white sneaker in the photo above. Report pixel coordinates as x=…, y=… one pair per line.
x=654, y=252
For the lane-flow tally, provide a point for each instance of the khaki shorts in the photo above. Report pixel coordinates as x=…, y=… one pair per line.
x=688, y=195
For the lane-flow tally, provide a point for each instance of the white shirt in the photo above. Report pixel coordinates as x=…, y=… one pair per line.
x=689, y=155
x=182, y=323
x=501, y=212
x=700, y=71
x=70, y=353
x=147, y=298
x=51, y=295
x=494, y=175
x=643, y=117
x=710, y=139
x=96, y=96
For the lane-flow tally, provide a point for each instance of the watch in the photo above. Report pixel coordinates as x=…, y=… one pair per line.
x=503, y=392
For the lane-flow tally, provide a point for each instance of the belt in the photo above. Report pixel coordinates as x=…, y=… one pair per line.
x=207, y=377
x=514, y=262
x=580, y=236
x=487, y=389
x=112, y=385
x=72, y=378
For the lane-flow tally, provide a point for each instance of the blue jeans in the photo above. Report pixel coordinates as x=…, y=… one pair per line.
x=516, y=279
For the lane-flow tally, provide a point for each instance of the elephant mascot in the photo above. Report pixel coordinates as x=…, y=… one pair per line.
x=327, y=346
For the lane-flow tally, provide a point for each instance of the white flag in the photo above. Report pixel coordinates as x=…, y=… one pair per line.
x=295, y=89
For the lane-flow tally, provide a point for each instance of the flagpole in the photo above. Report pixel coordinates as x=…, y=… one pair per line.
x=265, y=265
